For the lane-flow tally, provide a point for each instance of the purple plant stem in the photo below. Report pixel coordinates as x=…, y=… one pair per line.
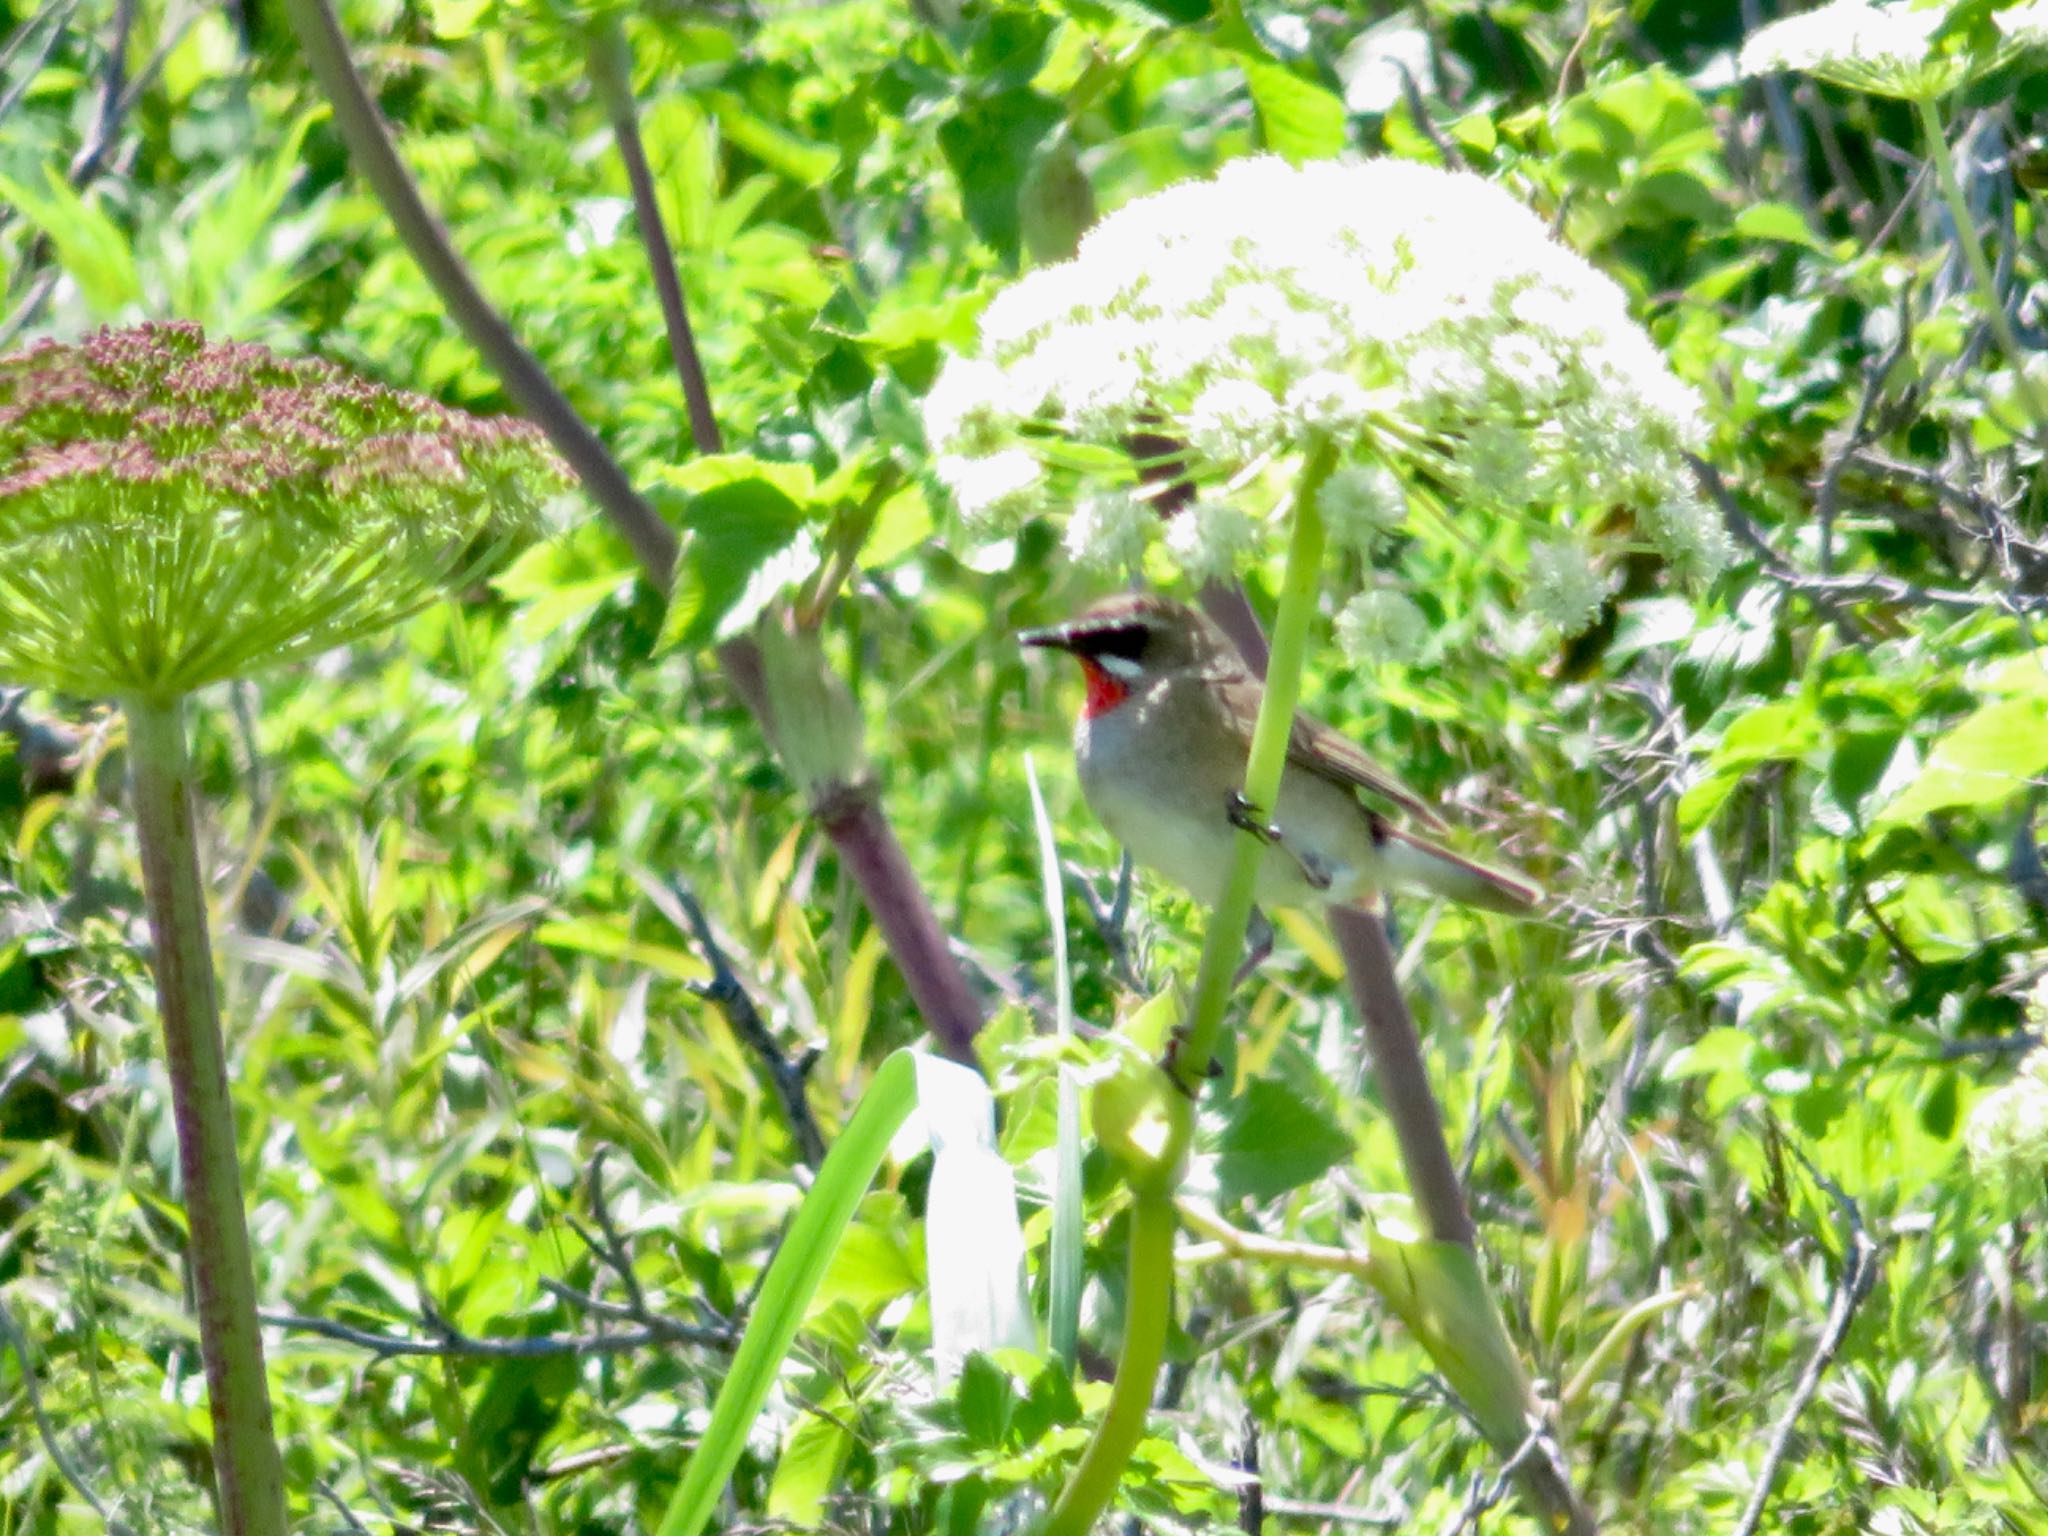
x=247, y=1470
x=865, y=842
x=1403, y=1076
x=870, y=852
x=611, y=71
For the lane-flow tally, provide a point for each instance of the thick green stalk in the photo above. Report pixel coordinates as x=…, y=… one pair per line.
x=247, y=1469
x=1148, y=1311
x=1225, y=940
x=1148, y=1298
x=1979, y=262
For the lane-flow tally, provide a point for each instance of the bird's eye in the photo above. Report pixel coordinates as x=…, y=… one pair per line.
x=1126, y=643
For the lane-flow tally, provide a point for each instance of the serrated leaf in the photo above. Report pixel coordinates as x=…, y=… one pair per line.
x=1276, y=1140
x=808, y=1470
x=989, y=143
x=739, y=515
x=985, y=1400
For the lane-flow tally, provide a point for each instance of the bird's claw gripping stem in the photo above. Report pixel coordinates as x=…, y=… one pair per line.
x=1247, y=817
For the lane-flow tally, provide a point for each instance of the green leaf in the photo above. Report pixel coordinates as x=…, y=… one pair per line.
x=1987, y=759
x=786, y=1290
x=1299, y=118
x=813, y=1457
x=989, y=143
x=799, y=160
x=91, y=247
x=738, y=513
x=986, y=1399
x=1777, y=221
x=1275, y=1141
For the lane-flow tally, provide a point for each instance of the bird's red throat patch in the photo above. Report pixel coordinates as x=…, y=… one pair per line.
x=1105, y=689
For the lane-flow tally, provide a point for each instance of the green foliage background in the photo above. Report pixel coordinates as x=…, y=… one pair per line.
x=1793, y=821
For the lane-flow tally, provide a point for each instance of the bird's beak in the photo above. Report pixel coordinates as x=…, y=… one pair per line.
x=1056, y=637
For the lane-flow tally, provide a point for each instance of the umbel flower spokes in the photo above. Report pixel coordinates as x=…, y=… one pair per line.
x=175, y=512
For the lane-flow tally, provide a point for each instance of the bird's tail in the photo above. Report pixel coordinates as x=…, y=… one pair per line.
x=1417, y=863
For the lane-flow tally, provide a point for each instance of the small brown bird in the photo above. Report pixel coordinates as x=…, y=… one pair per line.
x=1162, y=744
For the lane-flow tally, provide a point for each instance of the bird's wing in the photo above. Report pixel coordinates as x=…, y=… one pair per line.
x=1314, y=746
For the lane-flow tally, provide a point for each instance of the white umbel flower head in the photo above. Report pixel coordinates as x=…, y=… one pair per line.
x=1107, y=531
x=1424, y=322
x=1381, y=626
x=1884, y=49
x=1363, y=506
x=1564, y=588
x=1209, y=538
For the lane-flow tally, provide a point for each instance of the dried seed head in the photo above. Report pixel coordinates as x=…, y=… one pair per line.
x=175, y=512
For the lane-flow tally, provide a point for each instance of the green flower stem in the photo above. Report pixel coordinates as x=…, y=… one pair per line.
x=1225, y=940
x=1148, y=1298
x=1148, y=1311
x=247, y=1468
x=1974, y=254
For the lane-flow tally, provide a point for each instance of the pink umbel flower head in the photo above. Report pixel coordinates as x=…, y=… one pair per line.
x=175, y=512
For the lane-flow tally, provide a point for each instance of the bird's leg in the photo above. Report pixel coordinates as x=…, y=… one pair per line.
x=1247, y=817
x=1258, y=941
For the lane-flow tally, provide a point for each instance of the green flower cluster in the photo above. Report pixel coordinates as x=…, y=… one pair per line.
x=174, y=512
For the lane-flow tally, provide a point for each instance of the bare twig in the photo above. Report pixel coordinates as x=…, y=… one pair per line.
x=57, y=16
x=446, y=1342
x=1485, y=1493
x=611, y=70
x=1411, y=95
x=11, y=1334
x=1784, y=121
x=348, y=1516
x=1859, y=1274
x=1110, y=918
x=1828, y=498
x=724, y=991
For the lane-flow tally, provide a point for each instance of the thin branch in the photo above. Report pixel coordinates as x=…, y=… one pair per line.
x=1486, y=1493
x=1111, y=918
x=58, y=15
x=1828, y=499
x=611, y=70
x=1859, y=1274
x=725, y=992
x=867, y=844
x=369, y=142
x=11, y=1334
x=1411, y=95
x=348, y=1516
x=113, y=98
x=446, y=1342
